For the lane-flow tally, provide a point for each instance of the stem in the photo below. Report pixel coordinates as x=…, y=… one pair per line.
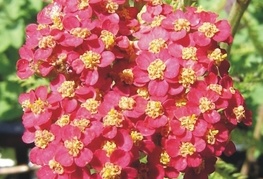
x=250, y=158
x=236, y=13
x=235, y=16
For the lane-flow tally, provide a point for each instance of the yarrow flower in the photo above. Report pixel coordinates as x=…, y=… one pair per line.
x=138, y=91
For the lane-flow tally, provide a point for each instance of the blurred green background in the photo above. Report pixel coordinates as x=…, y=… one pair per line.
x=246, y=58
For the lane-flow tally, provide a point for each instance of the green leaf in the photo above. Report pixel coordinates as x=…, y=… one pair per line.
x=36, y=5
x=9, y=107
x=5, y=40
x=257, y=94
x=13, y=8
x=16, y=33
x=4, y=67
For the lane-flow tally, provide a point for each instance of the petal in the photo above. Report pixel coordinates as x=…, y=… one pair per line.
x=84, y=158
x=158, y=88
x=120, y=158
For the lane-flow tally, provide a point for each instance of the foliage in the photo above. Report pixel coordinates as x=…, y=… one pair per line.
x=14, y=16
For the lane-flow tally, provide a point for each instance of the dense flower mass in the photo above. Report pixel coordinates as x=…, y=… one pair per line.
x=137, y=90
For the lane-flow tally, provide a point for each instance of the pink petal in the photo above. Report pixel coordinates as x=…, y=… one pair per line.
x=158, y=88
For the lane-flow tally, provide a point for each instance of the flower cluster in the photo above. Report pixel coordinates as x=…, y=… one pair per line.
x=137, y=90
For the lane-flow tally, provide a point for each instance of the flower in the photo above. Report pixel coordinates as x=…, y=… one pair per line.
x=156, y=70
x=134, y=92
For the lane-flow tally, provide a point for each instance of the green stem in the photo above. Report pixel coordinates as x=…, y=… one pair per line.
x=235, y=15
x=189, y=2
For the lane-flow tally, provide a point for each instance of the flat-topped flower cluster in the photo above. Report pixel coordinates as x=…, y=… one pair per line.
x=137, y=90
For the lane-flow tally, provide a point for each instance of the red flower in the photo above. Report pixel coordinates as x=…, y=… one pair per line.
x=237, y=111
x=74, y=149
x=155, y=41
x=210, y=29
x=187, y=123
x=157, y=70
x=180, y=23
x=37, y=107
x=185, y=153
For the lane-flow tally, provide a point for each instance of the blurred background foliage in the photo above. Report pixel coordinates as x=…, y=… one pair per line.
x=246, y=58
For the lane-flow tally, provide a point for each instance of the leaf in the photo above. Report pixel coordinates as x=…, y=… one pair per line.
x=5, y=40
x=13, y=8
x=16, y=33
x=256, y=95
x=36, y=5
x=225, y=170
x=4, y=67
x=9, y=107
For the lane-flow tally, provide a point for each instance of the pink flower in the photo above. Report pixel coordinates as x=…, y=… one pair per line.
x=185, y=153
x=157, y=70
x=37, y=107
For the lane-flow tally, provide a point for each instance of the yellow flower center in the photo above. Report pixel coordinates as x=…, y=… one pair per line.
x=187, y=148
x=58, y=62
x=82, y=124
x=63, y=120
x=210, y=136
x=208, y=29
x=154, y=109
x=74, y=146
x=42, y=26
x=113, y=118
x=26, y=104
x=108, y=39
x=80, y=32
x=124, y=13
x=43, y=138
x=126, y=103
x=90, y=59
x=83, y=4
x=232, y=90
x=216, y=88
x=189, y=53
x=38, y=106
x=143, y=92
x=205, y=104
x=156, y=2
x=188, y=122
x=157, y=20
x=187, y=77
x=156, y=45
x=239, y=113
x=165, y=158
x=110, y=171
x=67, y=89
x=57, y=23
x=127, y=76
x=182, y=24
x=181, y=101
x=156, y=69
x=111, y=6
x=47, y=42
x=91, y=105
x=137, y=137
x=109, y=147
x=217, y=56
x=56, y=167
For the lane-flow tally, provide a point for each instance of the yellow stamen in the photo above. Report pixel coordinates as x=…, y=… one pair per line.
x=156, y=45
x=208, y=29
x=154, y=109
x=187, y=148
x=43, y=138
x=156, y=69
x=74, y=146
